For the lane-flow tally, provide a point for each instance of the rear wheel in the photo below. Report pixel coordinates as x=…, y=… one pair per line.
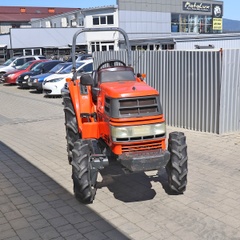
x=83, y=174
x=72, y=134
x=177, y=167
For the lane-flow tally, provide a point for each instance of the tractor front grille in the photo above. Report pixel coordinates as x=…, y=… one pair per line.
x=142, y=146
x=140, y=138
x=138, y=106
x=133, y=107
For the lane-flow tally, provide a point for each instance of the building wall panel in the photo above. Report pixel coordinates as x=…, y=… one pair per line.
x=230, y=92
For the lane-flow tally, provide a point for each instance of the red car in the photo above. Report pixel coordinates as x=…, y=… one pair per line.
x=12, y=76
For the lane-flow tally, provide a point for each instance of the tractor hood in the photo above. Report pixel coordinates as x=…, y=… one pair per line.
x=126, y=89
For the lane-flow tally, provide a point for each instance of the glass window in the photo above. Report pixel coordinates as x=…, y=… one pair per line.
x=113, y=76
x=19, y=62
x=30, y=59
x=95, y=20
x=110, y=19
x=9, y=61
x=81, y=21
x=184, y=26
x=25, y=66
x=87, y=68
x=104, y=48
x=98, y=47
x=190, y=23
x=103, y=19
x=34, y=64
x=175, y=23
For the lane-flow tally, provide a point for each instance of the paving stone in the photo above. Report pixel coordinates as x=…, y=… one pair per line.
x=48, y=233
x=29, y=211
x=95, y=235
x=12, y=215
x=50, y=213
x=57, y=222
x=27, y=233
x=19, y=223
x=39, y=223
x=8, y=234
x=102, y=226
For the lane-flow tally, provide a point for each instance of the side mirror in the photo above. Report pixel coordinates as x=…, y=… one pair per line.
x=140, y=77
x=86, y=80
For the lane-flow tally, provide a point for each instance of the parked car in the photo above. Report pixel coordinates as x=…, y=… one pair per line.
x=42, y=67
x=16, y=62
x=11, y=77
x=53, y=84
x=80, y=57
x=37, y=80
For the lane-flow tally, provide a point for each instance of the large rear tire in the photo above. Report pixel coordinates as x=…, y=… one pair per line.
x=177, y=167
x=83, y=175
x=72, y=133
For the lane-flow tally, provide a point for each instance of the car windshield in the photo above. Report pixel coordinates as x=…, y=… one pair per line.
x=59, y=67
x=25, y=66
x=114, y=76
x=69, y=68
x=9, y=61
x=38, y=67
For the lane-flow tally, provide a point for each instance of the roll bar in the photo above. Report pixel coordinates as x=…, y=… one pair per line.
x=98, y=30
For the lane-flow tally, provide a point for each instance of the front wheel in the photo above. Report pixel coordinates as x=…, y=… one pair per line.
x=177, y=167
x=83, y=174
x=72, y=134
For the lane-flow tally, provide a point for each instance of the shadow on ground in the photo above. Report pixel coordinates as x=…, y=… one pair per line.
x=34, y=206
x=132, y=187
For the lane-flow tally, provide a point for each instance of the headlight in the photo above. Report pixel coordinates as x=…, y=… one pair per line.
x=11, y=75
x=26, y=77
x=138, y=131
x=56, y=80
x=35, y=80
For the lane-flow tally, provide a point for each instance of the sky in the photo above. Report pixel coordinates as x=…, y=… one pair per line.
x=230, y=11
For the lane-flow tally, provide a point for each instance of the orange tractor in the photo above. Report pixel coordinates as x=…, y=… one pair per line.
x=112, y=114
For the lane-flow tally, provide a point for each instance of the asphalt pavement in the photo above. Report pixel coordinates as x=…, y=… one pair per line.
x=36, y=195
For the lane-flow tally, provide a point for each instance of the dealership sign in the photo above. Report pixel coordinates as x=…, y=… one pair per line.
x=217, y=13
x=196, y=6
x=217, y=24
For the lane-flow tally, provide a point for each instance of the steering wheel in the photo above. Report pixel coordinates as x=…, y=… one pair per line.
x=111, y=63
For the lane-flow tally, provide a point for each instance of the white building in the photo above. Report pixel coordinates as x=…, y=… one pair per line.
x=106, y=16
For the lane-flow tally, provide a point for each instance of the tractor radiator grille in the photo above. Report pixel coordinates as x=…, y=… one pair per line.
x=133, y=107
x=140, y=138
x=142, y=147
x=138, y=106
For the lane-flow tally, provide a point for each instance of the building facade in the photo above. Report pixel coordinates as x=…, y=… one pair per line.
x=170, y=16
x=100, y=17
x=142, y=20
x=166, y=18
x=19, y=17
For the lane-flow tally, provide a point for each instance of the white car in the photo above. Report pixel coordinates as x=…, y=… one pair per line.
x=53, y=84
